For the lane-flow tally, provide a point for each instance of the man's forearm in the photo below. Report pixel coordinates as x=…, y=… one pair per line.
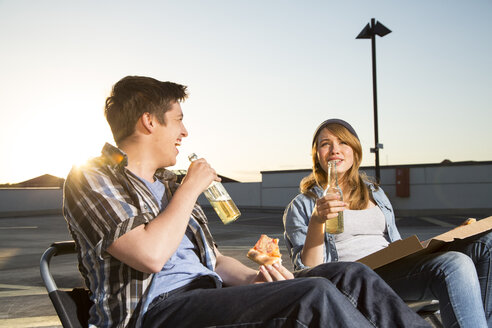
x=148, y=247
x=233, y=272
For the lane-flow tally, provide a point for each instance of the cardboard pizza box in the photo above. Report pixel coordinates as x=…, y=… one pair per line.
x=412, y=246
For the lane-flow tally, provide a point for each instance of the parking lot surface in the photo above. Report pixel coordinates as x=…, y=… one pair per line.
x=23, y=298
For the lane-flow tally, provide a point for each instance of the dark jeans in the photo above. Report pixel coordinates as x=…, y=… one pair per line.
x=330, y=295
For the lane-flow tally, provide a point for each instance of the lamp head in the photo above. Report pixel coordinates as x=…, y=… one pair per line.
x=372, y=29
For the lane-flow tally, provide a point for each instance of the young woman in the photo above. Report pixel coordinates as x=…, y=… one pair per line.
x=459, y=276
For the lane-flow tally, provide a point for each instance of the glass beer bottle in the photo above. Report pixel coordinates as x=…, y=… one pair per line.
x=335, y=225
x=220, y=200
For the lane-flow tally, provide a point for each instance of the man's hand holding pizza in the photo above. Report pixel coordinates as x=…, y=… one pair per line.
x=266, y=253
x=274, y=272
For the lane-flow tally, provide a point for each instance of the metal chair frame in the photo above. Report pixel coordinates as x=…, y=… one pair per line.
x=72, y=306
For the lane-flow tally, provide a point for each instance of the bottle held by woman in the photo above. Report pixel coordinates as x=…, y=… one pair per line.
x=335, y=225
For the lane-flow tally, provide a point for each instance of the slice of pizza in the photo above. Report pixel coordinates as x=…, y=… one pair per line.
x=266, y=251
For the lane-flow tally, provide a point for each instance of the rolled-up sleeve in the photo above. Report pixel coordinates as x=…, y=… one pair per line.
x=296, y=220
x=101, y=209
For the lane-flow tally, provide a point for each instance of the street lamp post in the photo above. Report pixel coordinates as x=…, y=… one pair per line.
x=369, y=32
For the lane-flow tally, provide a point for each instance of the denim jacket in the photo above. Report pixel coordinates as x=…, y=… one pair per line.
x=298, y=213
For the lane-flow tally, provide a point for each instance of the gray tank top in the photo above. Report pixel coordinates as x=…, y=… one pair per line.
x=364, y=233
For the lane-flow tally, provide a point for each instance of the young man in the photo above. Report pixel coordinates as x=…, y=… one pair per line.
x=148, y=257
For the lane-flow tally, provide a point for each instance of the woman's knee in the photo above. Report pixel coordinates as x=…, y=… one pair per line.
x=455, y=264
x=480, y=248
x=486, y=238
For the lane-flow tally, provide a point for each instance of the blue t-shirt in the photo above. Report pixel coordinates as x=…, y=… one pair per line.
x=183, y=266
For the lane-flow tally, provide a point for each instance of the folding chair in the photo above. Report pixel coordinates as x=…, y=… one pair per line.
x=71, y=306
x=427, y=310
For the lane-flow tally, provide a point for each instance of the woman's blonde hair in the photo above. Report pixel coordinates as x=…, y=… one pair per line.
x=358, y=193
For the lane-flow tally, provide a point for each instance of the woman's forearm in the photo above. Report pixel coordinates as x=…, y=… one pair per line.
x=312, y=252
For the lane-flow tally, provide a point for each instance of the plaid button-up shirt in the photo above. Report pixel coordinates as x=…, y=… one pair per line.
x=102, y=201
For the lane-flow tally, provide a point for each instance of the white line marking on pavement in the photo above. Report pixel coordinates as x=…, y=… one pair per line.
x=20, y=290
x=437, y=222
x=44, y=321
x=14, y=228
x=260, y=218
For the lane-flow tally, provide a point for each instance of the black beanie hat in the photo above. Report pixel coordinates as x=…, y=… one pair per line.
x=334, y=121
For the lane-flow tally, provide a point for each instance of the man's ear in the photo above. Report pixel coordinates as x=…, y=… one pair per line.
x=148, y=122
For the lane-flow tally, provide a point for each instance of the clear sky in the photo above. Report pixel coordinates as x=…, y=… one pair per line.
x=261, y=74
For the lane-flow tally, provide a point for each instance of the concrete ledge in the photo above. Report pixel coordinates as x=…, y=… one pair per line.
x=470, y=212
x=253, y=209
x=13, y=214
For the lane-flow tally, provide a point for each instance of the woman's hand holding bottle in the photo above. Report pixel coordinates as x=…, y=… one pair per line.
x=327, y=207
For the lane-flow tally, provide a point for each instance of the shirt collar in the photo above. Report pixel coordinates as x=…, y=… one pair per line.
x=114, y=156
x=118, y=159
x=166, y=175
x=317, y=190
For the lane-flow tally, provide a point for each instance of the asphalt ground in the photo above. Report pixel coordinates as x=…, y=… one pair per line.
x=23, y=298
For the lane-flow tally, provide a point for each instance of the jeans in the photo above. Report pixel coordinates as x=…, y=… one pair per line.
x=330, y=295
x=459, y=276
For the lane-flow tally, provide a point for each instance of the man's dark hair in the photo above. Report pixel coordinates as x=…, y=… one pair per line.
x=133, y=96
